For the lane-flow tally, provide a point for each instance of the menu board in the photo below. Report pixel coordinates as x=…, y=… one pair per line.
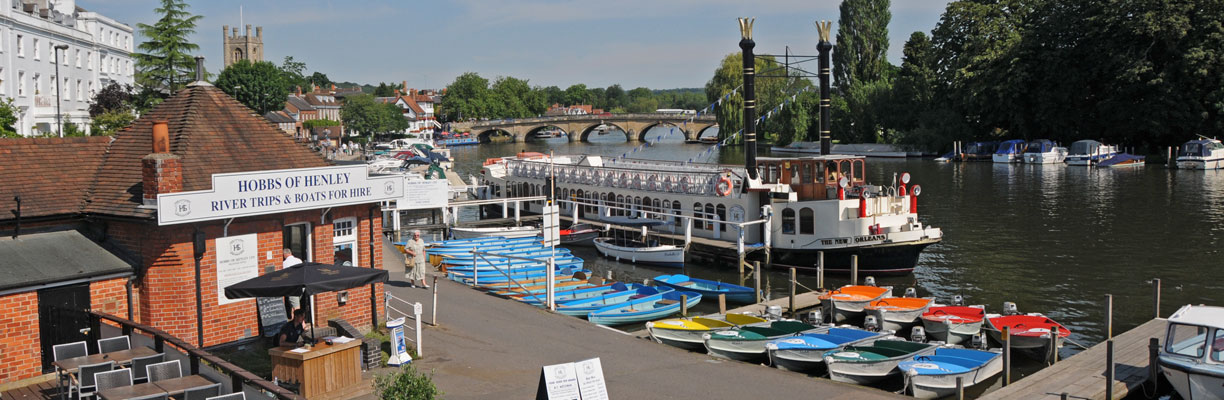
x=271, y=314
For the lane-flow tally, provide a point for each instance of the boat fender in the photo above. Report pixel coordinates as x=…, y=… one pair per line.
x=724, y=186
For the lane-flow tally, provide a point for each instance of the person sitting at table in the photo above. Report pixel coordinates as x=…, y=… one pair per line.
x=292, y=331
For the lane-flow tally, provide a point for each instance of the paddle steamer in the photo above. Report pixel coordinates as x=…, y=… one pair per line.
x=820, y=203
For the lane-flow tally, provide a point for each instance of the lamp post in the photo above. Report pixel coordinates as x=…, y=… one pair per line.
x=59, y=90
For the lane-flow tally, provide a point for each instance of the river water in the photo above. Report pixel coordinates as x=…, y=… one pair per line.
x=1053, y=239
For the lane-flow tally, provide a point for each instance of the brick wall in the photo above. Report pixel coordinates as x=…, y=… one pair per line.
x=109, y=296
x=20, y=351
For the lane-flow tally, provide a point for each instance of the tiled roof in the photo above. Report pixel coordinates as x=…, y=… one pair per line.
x=279, y=117
x=52, y=175
x=300, y=103
x=416, y=108
x=213, y=134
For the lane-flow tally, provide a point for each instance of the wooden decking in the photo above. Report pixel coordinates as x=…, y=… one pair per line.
x=40, y=391
x=1082, y=376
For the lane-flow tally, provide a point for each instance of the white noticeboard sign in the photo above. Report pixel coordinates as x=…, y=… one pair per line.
x=581, y=380
x=244, y=194
x=552, y=225
x=399, y=344
x=237, y=261
x=424, y=194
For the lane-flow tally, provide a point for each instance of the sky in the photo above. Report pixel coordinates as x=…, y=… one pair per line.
x=652, y=43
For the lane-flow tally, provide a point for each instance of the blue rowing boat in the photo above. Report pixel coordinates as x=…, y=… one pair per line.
x=934, y=376
x=644, y=309
x=582, y=307
x=579, y=294
x=708, y=289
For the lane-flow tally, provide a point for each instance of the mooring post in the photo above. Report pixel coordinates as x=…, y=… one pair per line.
x=756, y=279
x=722, y=303
x=1156, y=295
x=1053, y=345
x=741, y=268
x=434, y=320
x=960, y=388
x=820, y=270
x=1064, y=395
x=684, y=305
x=1006, y=356
x=1153, y=361
x=792, y=292
x=1109, y=316
x=609, y=275
x=854, y=269
x=1109, y=369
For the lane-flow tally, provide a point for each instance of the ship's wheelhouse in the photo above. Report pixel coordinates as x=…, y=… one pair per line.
x=812, y=178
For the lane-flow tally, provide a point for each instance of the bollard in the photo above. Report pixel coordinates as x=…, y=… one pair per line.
x=741, y=268
x=854, y=269
x=960, y=388
x=1156, y=295
x=722, y=303
x=684, y=305
x=1006, y=356
x=792, y=292
x=756, y=277
x=820, y=270
x=1064, y=395
x=1109, y=369
x=1053, y=345
x=1109, y=316
x=1153, y=361
x=434, y=319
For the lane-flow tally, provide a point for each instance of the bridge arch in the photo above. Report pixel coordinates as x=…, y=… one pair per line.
x=642, y=135
x=488, y=135
x=530, y=132
x=590, y=128
x=703, y=130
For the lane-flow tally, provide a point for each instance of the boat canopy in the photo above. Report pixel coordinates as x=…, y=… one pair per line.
x=1199, y=148
x=1085, y=147
x=1040, y=146
x=1199, y=315
x=1013, y=146
x=981, y=147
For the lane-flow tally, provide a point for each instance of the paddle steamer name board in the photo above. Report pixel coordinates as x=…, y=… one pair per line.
x=245, y=194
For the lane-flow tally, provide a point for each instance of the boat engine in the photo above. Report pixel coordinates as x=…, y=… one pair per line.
x=918, y=335
x=911, y=292
x=978, y=341
x=1009, y=308
x=815, y=317
x=871, y=324
x=958, y=300
x=773, y=313
x=870, y=281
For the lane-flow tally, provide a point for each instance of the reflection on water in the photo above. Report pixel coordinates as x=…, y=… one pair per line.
x=1052, y=238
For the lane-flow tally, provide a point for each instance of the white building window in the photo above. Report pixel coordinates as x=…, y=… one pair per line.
x=80, y=90
x=20, y=83
x=78, y=58
x=2, y=90
x=91, y=90
x=37, y=50
x=89, y=60
x=20, y=46
x=67, y=88
x=344, y=241
x=37, y=84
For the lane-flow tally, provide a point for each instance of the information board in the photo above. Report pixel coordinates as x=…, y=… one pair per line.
x=552, y=225
x=424, y=194
x=271, y=314
x=561, y=382
x=399, y=344
x=591, y=380
x=237, y=261
x=581, y=380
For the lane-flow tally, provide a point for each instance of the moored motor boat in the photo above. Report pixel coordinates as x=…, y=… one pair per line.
x=953, y=324
x=645, y=309
x=805, y=352
x=1011, y=151
x=1122, y=160
x=1090, y=152
x=897, y=313
x=848, y=302
x=1202, y=153
x=579, y=235
x=709, y=289
x=1029, y=333
x=872, y=363
x=583, y=307
x=934, y=376
x=639, y=252
x=978, y=151
x=686, y=333
x=505, y=231
x=748, y=343
x=1193, y=352
x=1044, y=151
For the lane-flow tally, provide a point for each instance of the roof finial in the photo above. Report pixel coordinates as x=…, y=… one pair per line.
x=746, y=28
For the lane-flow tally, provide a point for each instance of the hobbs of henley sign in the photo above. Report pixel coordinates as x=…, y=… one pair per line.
x=237, y=261
x=244, y=194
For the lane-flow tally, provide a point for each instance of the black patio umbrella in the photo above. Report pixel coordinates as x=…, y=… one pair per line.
x=306, y=279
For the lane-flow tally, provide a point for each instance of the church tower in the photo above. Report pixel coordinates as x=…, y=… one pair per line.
x=247, y=47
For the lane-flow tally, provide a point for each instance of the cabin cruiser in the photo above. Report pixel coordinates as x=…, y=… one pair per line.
x=1202, y=153
x=1193, y=355
x=1090, y=152
x=1044, y=151
x=1011, y=151
x=979, y=151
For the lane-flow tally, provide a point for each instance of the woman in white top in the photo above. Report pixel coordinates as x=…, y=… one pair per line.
x=415, y=263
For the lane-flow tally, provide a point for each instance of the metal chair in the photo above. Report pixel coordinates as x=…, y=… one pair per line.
x=159, y=396
x=112, y=379
x=84, y=379
x=139, y=373
x=164, y=370
x=117, y=343
x=231, y=396
x=64, y=352
x=202, y=392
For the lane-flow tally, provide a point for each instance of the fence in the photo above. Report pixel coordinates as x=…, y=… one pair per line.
x=417, y=310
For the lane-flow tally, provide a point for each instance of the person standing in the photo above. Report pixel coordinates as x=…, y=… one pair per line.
x=415, y=263
x=290, y=262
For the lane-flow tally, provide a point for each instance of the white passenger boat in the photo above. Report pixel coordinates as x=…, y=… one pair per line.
x=1193, y=355
x=1044, y=151
x=1090, y=152
x=1202, y=153
x=639, y=252
x=505, y=232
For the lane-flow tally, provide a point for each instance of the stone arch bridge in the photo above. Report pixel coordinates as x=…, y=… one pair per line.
x=581, y=127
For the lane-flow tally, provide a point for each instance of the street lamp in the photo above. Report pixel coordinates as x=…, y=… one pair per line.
x=59, y=91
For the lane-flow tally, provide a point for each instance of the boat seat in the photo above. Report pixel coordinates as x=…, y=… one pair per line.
x=686, y=283
x=666, y=302
x=638, y=296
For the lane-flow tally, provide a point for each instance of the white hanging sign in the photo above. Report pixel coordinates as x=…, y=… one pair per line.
x=237, y=261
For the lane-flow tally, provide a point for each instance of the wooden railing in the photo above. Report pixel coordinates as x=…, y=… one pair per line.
x=238, y=376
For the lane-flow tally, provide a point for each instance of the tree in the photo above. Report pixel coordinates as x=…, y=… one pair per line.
x=914, y=89
x=106, y=124
x=862, y=42
x=293, y=74
x=318, y=78
x=364, y=115
x=771, y=90
x=615, y=96
x=553, y=95
x=577, y=94
x=643, y=105
x=8, y=118
x=466, y=97
x=113, y=97
x=72, y=130
x=164, y=62
x=259, y=85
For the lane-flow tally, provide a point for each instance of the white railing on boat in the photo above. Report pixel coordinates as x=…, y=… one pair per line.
x=676, y=179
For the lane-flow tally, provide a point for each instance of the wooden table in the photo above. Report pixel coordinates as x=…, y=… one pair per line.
x=323, y=372
x=172, y=387
x=133, y=391
x=176, y=386
x=70, y=365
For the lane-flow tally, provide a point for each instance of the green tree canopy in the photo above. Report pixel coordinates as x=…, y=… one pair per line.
x=771, y=89
x=364, y=115
x=260, y=86
x=318, y=78
x=862, y=42
x=164, y=62
x=8, y=118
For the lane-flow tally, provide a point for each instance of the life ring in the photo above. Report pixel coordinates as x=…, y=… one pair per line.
x=723, y=187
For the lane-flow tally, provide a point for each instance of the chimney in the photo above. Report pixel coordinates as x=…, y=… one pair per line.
x=412, y=92
x=161, y=170
x=299, y=91
x=750, y=114
x=397, y=93
x=333, y=88
x=248, y=30
x=199, y=73
x=404, y=85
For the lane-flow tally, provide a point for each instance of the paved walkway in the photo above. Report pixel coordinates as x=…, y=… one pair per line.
x=486, y=347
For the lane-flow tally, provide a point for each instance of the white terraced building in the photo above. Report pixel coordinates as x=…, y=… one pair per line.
x=99, y=52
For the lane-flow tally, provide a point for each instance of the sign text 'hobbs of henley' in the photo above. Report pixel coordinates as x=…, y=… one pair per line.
x=244, y=194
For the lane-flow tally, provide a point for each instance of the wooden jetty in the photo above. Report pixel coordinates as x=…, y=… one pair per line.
x=1082, y=376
